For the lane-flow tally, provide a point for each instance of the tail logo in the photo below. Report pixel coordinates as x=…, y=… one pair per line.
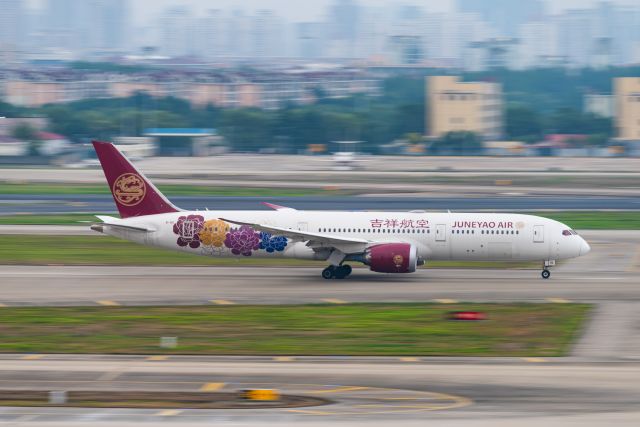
x=129, y=189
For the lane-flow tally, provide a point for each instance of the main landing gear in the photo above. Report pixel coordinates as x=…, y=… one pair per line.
x=336, y=272
x=546, y=274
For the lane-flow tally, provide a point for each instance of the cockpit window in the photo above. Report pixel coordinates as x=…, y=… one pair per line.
x=569, y=233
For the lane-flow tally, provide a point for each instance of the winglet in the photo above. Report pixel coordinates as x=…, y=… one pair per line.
x=277, y=207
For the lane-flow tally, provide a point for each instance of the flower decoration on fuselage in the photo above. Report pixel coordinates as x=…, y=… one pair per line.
x=188, y=228
x=243, y=240
x=271, y=243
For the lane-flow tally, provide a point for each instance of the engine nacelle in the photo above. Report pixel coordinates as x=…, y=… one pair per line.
x=392, y=258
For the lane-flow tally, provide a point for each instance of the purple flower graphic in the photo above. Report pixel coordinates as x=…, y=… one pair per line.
x=243, y=240
x=270, y=243
x=187, y=228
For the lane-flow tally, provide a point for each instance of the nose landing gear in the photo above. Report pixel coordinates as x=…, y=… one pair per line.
x=336, y=272
x=545, y=268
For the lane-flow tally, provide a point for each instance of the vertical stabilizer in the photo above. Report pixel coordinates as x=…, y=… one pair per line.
x=133, y=193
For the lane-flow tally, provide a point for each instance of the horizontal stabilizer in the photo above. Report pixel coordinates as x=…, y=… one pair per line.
x=115, y=222
x=277, y=207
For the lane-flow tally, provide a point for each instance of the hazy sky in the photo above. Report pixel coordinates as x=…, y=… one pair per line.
x=309, y=10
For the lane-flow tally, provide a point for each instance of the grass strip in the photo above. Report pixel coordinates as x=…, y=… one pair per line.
x=417, y=329
x=105, y=250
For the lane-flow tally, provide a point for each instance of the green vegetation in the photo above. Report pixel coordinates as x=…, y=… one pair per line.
x=416, y=329
x=170, y=190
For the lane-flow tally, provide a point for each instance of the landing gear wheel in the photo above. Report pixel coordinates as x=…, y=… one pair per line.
x=329, y=272
x=342, y=271
x=546, y=274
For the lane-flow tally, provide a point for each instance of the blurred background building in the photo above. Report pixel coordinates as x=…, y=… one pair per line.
x=456, y=106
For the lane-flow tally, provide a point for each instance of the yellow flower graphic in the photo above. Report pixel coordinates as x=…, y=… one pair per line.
x=214, y=232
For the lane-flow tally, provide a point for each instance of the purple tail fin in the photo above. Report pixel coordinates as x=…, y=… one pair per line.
x=133, y=193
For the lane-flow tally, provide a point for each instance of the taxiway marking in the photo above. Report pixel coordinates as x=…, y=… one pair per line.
x=558, y=300
x=107, y=302
x=32, y=357
x=334, y=301
x=222, y=302
x=169, y=413
x=156, y=358
x=446, y=301
x=339, y=389
x=212, y=386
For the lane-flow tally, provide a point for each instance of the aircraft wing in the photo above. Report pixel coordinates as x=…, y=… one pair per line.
x=314, y=240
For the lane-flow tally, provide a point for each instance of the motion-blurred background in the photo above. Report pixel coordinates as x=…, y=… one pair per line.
x=187, y=78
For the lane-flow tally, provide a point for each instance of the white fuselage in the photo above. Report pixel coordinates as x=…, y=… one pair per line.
x=437, y=236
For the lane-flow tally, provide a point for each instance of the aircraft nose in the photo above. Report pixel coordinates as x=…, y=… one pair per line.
x=584, y=247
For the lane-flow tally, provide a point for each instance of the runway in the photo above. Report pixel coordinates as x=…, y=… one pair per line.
x=474, y=392
x=509, y=201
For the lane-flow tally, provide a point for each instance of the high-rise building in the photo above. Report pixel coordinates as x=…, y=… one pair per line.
x=504, y=15
x=454, y=106
x=627, y=95
x=577, y=34
x=309, y=37
x=536, y=42
x=11, y=21
x=177, y=32
x=266, y=35
x=209, y=34
x=343, y=25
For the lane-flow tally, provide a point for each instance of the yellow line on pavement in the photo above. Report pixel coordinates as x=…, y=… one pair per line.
x=107, y=302
x=168, y=413
x=534, y=359
x=32, y=357
x=409, y=359
x=156, y=358
x=222, y=302
x=309, y=412
x=283, y=359
x=339, y=390
x=212, y=386
x=558, y=300
x=3, y=305
x=446, y=301
x=334, y=301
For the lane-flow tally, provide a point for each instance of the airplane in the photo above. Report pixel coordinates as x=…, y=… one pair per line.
x=386, y=242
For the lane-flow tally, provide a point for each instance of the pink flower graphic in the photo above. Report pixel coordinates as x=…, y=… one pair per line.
x=243, y=240
x=188, y=229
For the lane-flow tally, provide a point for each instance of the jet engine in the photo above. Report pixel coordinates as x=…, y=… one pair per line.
x=392, y=258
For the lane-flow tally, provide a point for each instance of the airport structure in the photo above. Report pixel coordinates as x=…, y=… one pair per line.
x=453, y=106
x=627, y=95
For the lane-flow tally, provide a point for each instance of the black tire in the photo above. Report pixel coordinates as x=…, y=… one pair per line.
x=328, y=273
x=347, y=269
x=546, y=274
